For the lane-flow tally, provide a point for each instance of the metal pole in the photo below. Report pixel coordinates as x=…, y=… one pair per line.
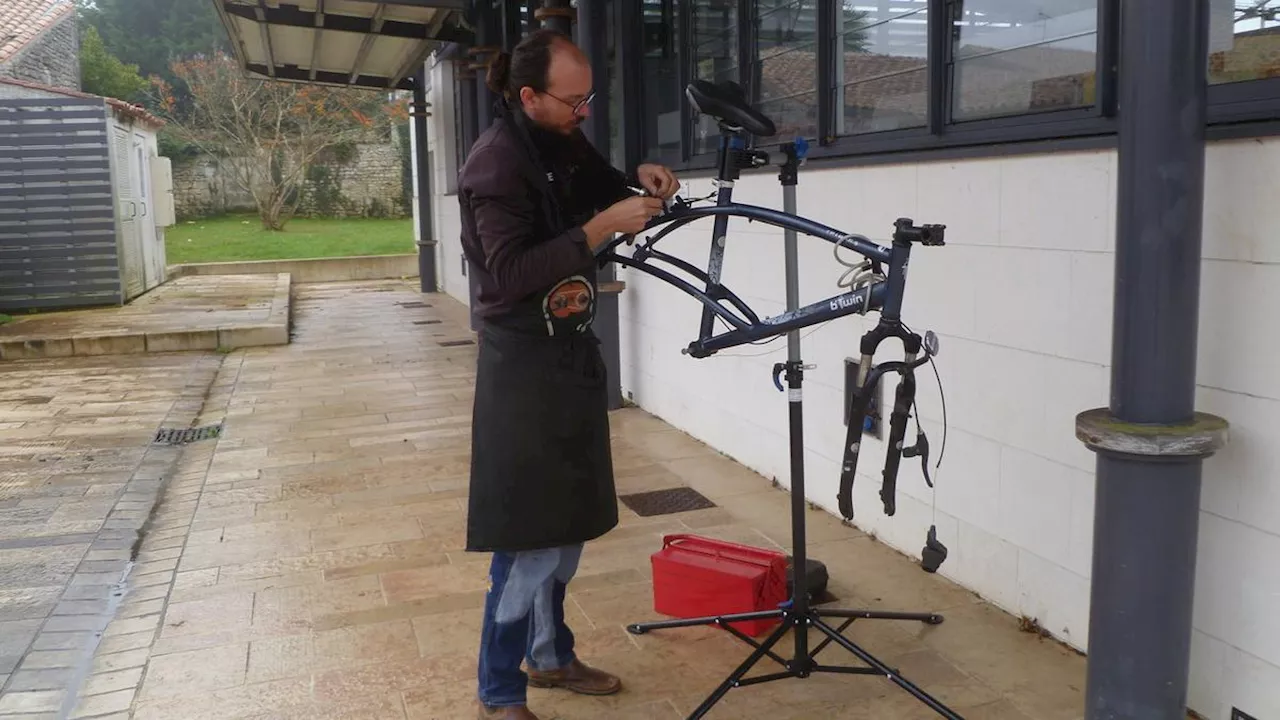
x=592, y=40
x=426, y=241
x=795, y=410
x=481, y=53
x=1150, y=442
x=556, y=15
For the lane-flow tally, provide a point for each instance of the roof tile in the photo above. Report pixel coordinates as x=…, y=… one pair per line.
x=22, y=21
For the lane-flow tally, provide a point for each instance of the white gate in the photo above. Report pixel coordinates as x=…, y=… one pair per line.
x=132, y=261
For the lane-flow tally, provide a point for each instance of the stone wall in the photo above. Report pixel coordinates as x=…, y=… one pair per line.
x=368, y=181
x=53, y=59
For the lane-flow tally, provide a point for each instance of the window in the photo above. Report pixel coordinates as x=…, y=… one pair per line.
x=882, y=72
x=1020, y=57
x=886, y=76
x=713, y=26
x=1244, y=40
x=663, y=103
x=785, y=82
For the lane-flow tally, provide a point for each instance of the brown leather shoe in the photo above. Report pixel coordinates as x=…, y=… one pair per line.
x=577, y=677
x=511, y=712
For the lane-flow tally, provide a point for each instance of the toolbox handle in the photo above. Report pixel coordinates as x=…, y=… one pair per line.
x=700, y=545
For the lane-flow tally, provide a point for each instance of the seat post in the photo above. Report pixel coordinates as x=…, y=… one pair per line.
x=729, y=171
x=734, y=157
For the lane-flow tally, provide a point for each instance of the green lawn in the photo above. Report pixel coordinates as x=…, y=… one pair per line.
x=241, y=237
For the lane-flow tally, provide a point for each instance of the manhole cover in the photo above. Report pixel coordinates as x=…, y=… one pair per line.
x=666, y=502
x=182, y=436
x=456, y=343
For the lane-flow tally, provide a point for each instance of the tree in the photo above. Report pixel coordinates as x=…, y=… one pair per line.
x=102, y=73
x=269, y=133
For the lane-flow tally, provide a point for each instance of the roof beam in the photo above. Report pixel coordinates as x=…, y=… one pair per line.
x=328, y=77
x=367, y=43
x=440, y=4
x=260, y=13
x=293, y=16
x=315, y=43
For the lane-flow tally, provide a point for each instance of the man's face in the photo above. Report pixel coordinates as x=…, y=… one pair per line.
x=566, y=103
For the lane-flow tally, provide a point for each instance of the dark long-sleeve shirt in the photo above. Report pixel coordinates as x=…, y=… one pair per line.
x=522, y=232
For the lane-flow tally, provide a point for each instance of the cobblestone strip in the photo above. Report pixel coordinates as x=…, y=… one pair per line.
x=89, y=658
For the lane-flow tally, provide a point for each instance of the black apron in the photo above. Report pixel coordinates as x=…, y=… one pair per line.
x=541, y=462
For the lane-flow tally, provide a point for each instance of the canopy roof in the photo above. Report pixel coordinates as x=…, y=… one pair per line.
x=364, y=43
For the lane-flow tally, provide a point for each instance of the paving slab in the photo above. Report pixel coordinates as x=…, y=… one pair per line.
x=308, y=562
x=222, y=312
x=79, y=474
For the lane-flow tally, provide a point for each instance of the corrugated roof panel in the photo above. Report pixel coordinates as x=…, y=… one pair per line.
x=337, y=51
x=388, y=56
x=399, y=35
x=292, y=45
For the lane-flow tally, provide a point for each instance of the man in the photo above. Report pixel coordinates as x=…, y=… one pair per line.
x=537, y=200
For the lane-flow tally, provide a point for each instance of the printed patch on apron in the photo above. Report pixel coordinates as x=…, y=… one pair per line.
x=569, y=307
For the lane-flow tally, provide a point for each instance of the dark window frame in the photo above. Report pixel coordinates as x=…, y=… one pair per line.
x=1242, y=109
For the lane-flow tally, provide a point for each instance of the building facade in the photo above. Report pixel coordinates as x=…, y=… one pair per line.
x=40, y=43
x=998, y=119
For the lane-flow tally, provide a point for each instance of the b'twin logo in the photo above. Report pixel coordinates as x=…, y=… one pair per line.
x=845, y=302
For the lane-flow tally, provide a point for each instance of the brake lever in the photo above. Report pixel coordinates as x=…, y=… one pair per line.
x=921, y=449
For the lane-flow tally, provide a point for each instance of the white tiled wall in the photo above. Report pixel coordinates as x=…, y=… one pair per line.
x=1021, y=298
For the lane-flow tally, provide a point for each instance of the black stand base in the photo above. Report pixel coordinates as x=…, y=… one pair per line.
x=803, y=664
x=797, y=614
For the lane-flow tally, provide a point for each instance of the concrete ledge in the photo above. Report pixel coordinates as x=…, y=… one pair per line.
x=162, y=324
x=313, y=270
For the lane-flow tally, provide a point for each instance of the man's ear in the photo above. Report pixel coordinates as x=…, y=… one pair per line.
x=526, y=95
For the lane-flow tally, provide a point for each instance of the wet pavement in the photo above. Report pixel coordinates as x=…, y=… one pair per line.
x=187, y=313
x=306, y=562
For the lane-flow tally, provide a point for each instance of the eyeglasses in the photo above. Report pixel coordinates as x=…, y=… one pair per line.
x=578, y=106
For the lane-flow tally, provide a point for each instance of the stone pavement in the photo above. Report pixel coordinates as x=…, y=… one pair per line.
x=187, y=313
x=307, y=562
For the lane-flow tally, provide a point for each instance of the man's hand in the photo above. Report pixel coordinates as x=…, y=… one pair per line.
x=658, y=180
x=625, y=216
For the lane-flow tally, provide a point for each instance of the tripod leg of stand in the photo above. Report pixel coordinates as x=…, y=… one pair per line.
x=927, y=618
x=884, y=670
x=641, y=628
x=733, y=679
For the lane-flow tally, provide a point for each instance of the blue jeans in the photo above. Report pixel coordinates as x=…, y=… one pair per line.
x=524, y=621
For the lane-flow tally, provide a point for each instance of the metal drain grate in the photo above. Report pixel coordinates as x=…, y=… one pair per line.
x=456, y=343
x=666, y=502
x=414, y=304
x=182, y=436
x=426, y=322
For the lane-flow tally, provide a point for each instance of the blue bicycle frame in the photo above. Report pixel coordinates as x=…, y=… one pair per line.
x=883, y=295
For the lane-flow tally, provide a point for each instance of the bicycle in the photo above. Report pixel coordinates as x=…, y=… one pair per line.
x=869, y=289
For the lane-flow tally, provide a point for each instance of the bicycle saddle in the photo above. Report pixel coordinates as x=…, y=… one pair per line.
x=727, y=103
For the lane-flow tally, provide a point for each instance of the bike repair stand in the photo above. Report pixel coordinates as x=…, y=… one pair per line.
x=797, y=614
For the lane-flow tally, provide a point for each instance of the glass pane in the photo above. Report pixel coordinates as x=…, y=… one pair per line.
x=793, y=116
x=714, y=34
x=1244, y=40
x=883, y=81
x=1020, y=56
x=663, y=94
x=787, y=47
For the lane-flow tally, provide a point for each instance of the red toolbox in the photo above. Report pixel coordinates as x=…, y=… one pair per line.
x=695, y=576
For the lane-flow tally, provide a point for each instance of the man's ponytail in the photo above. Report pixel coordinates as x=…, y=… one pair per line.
x=526, y=65
x=499, y=74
